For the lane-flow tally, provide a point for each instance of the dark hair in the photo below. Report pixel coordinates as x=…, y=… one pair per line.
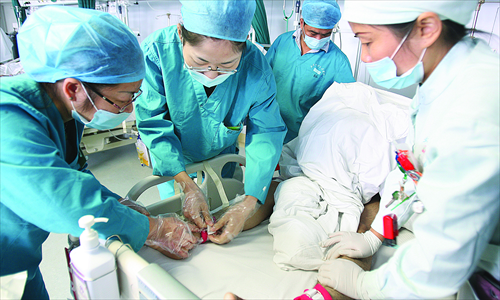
x=100, y=86
x=194, y=39
x=452, y=31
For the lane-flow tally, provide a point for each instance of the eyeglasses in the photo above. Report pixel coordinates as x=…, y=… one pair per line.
x=210, y=69
x=120, y=109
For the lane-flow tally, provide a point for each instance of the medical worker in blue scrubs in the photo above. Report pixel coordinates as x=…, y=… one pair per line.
x=203, y=82
x=83, y=67
x=306, y=62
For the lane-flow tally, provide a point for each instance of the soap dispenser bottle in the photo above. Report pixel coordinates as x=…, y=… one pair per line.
x=93, y=266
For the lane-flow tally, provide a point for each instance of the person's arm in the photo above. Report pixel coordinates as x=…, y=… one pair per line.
x=39, y=186
x=264, y=138
x=461, y=206
x=171, y=236
x=271, y=53
x=152, y=113
x=233, y=221
x=194, y=206
x=264, y=141
x=359, y=245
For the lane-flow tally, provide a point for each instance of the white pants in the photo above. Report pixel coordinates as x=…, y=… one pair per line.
x=304, y=214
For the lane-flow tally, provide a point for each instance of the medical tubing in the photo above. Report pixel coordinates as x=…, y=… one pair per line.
x=403, y=201
x=285, y=17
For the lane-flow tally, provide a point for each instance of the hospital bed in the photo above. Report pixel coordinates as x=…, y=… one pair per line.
x=244, y=266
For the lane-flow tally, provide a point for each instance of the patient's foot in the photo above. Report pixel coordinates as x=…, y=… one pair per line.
x=231, y=296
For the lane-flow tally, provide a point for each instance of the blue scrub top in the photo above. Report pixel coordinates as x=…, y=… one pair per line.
x=302, y=80
x=42, y=189
x=180, y=125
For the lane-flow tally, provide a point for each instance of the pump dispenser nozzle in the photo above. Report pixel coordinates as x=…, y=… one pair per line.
x=89, y=238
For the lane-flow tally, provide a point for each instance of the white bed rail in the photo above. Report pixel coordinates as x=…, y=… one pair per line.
x=230, y=186
x=139, y=279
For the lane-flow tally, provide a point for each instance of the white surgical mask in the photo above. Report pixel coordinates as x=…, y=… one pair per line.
x=384, y=71
x=102, y=119
x=208, y=82
x=315, y=44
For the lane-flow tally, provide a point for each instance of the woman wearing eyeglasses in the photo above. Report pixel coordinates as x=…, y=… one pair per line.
x=83, y=68
x=203, y=82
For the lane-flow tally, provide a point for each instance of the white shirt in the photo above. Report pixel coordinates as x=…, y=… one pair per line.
x=456, y=123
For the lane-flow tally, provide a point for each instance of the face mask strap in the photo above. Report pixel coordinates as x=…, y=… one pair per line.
x=422, y=55
x=86, y=93
x=401, y=44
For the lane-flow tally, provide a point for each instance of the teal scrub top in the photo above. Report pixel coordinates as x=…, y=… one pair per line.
x=44, y=190
x=180, y=125
x=302, y=80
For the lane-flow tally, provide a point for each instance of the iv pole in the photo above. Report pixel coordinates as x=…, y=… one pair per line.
x=297, y=14
x=285, y=16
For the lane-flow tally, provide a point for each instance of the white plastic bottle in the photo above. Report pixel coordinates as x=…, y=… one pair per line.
x=93, y=266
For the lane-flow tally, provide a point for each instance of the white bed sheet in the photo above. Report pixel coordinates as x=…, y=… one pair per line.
x=244, y=266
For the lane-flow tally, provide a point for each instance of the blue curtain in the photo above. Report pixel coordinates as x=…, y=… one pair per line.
x=20, y=11
x=86, y=4
x=259, y=24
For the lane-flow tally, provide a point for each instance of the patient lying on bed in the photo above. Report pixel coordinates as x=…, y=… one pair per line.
x=331, y=172
x=338, y=162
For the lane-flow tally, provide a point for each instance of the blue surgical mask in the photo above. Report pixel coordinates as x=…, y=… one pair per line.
x=384, y=71
x=208, y=82
x=315, y=44
x=102, y=119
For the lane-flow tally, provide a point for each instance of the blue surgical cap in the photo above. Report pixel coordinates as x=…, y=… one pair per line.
x=322, y=14
x=228, y=20
x=58, y=42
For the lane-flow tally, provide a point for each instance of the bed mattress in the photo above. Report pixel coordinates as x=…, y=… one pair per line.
x=244, y=266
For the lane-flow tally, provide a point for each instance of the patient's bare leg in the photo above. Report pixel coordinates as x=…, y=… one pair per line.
x=369, y=213
x=365, y=222
x=265, y=210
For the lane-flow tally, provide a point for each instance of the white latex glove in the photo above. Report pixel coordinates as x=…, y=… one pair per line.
x=232, y=222
x=352, y=244
x=171, y=236
x=342, y=275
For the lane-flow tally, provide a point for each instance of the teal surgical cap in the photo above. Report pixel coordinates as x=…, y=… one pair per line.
x=403, y=11
x=58, y=42
x=322, y=14
x=228, y=20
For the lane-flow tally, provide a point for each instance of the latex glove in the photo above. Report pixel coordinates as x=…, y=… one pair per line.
x=232, y=222
x=355, y=245
x=135, y=205
x=171, y=236
x=342, y=275
x=195, y=207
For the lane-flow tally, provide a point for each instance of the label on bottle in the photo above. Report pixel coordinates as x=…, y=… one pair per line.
x=80, y=285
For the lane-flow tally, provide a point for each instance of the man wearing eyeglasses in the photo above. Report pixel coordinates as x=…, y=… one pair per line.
x=306, y=62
